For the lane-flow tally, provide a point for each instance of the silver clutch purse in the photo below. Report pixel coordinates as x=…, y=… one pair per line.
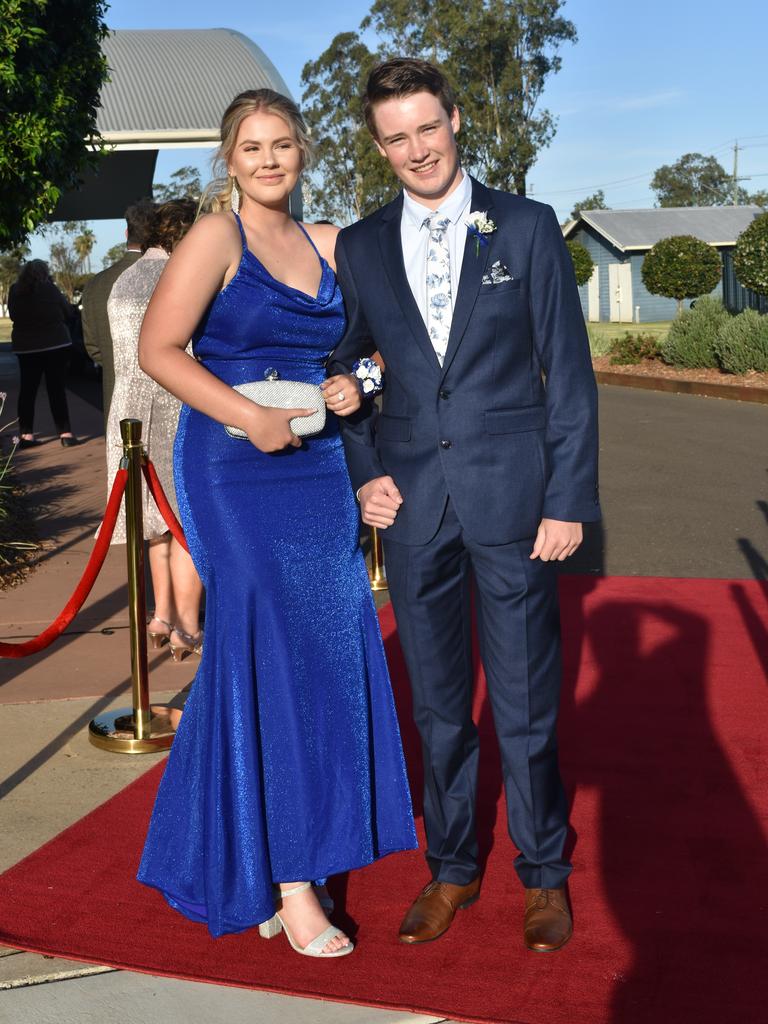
x=285, y=394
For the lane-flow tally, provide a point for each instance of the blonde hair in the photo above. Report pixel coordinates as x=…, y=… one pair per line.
x=217, y=195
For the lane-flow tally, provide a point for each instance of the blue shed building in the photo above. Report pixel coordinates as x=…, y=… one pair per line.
x=617, y=241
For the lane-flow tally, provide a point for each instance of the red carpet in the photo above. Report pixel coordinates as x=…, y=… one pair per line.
x=664, y=749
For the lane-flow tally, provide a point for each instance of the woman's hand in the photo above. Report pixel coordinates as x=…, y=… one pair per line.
x=269, y=430
x=341, y=393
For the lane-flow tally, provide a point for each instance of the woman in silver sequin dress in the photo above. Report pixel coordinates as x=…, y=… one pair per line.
x=175, y=582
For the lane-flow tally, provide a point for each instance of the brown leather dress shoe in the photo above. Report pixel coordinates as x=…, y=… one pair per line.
x=434, y=910
x=548, y=924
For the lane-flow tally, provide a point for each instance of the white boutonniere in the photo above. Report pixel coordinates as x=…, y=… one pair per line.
x=480, y=225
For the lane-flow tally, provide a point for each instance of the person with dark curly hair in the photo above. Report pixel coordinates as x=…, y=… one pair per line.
x=42, y=343
x=175, y=582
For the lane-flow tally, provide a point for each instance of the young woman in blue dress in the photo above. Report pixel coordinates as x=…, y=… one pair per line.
x=287, y=766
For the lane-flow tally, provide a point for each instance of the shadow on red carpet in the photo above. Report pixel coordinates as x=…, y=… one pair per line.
x=663, y=748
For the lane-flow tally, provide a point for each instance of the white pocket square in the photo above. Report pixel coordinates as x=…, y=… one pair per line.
x=498, y=274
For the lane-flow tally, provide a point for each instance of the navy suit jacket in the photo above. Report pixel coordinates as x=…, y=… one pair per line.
x=507, y=427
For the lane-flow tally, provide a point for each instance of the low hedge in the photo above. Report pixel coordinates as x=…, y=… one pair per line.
x=634, y=348
x=692, y=337
x=742, y=343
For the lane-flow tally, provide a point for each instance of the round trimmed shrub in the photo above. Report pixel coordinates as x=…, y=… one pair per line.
x=681, y=267
x=742, y=344
x=583, y=264
x=692, y=337
x=750, y=257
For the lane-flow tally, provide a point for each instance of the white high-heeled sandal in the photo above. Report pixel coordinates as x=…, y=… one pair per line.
x=269, y=929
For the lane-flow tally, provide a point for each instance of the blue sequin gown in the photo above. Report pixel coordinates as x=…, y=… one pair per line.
x=287, y=764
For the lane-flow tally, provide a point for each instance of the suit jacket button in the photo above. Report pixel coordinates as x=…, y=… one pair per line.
x=444, y=394
x=445, y=444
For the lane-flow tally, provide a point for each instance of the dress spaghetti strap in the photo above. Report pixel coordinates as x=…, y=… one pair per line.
x=309, y=239
x=242, y=232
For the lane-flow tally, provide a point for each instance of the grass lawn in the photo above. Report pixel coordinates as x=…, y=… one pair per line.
x=602, y=335
x=5, y=328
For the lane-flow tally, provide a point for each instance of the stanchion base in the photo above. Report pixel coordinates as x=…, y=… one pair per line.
x=114, y=731
x=378, y=583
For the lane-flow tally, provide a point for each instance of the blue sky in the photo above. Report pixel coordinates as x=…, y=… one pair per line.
x=645, y=83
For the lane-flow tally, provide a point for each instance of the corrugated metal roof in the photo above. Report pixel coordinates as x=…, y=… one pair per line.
x=640, y=229
x=178, y=80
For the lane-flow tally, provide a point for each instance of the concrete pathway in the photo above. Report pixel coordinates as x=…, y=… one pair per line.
x=123, y=997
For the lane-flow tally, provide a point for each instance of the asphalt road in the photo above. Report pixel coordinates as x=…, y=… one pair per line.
x=684, y=487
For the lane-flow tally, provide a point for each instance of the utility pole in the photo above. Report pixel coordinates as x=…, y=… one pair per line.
x=735, y=172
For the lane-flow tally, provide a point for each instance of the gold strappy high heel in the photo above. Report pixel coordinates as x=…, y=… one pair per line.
x=193, y=644
x=158, y=640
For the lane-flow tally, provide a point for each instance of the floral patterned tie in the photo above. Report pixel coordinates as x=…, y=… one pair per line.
x=439, y=298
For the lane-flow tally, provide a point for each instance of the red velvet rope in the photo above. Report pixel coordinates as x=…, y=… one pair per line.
x=83, y=589
x=157, y=492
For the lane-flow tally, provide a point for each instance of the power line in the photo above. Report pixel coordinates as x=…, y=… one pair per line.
x=604, y=184
x=641, y=177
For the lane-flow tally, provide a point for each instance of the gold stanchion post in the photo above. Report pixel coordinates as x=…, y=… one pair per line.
x=130, y=730
x=377, y=574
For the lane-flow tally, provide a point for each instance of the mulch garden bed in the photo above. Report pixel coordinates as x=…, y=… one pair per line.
x=653, y=373
x=17, y=526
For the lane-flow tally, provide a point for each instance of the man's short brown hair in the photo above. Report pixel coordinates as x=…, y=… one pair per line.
x=138, y=218
x=404, y=76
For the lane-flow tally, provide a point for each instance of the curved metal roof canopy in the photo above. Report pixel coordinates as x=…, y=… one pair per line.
x=168, y=89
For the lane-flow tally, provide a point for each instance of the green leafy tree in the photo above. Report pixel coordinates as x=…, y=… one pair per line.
x=681, y=267
x=593, y=202
x=499, y=54
x=83, y=245
x=113, y=255
x=51, y=73
x=760, y=198
x=65, y=259
x=10, y=264
x=349, y=178
x=750, y=257
x=693, y=180
x=184, y=184
x=582, y=262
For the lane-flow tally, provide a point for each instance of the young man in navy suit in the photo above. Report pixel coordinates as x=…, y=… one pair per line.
x=481, y=466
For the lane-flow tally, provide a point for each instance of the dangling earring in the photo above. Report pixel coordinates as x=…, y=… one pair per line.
x=234, y=198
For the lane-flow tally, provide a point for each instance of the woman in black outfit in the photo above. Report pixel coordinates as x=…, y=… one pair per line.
x=43, y=344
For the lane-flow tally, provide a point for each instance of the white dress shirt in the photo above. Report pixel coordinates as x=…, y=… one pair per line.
x=414, y=236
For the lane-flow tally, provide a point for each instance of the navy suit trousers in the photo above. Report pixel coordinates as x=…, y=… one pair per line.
x=519, y=633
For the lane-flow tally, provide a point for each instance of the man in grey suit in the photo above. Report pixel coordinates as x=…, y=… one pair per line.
x=96, y=333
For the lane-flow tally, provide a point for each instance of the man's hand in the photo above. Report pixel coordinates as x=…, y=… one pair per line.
x=556, y=540
x=379, y=502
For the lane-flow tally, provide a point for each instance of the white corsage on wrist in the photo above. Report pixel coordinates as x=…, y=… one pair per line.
x=369, y=377
x=480, y=225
